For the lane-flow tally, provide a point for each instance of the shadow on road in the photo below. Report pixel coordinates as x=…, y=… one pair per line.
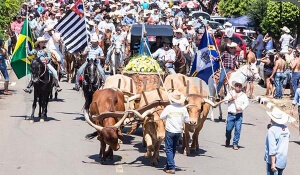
x=95, y=157
x=36, y=119
x=56, y=100
x=297, y=142
x=249, y=124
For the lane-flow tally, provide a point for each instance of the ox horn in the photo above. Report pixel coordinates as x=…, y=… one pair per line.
x=142, y=116
x=137, y=96
x=118, y=124
x=214, y=105
x=189, y=105
x=87, y=119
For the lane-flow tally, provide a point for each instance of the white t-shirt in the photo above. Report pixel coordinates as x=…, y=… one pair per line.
x=285, y=40
x=176, y=115
x=165, y=56
x=240, y=102
x=183, y=43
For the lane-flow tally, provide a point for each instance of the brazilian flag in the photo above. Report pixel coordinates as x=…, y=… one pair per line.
x=19, y=61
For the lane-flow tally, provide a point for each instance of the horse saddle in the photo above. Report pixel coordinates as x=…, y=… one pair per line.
x=53, y=58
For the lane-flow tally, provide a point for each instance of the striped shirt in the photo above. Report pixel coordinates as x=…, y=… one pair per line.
x=229, y=61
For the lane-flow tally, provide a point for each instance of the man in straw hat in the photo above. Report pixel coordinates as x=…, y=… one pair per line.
x=277, y=142
x=286, y=39
x=94, y=52
x=237, y=103
x=176, y=115
x=166, y=56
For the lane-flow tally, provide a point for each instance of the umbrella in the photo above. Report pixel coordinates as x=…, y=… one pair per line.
x=242, y=21
x=189, y=4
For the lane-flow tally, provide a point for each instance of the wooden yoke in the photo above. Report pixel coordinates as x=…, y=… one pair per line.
x=119, y=83
x=188, y=88
x=201, y=88
x=172, y=84
x=184, y=83
x=145, y=98
x=131, y=86
x=159, y=94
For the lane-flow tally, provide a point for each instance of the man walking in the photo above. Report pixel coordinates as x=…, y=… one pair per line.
x=295, y=67
x=278, y=75
x=277, y=142
x=175, y=115
x=237, y=103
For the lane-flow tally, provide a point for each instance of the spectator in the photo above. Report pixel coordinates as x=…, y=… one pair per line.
x=277, y=142
x=286, y=39
x=296, y=101
x=268, y=61
x=268, y=39
x=295, y=67
x=3, y=68
x=258, y=45
x=278, y=75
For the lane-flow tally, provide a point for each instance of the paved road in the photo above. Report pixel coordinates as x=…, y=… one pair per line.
x=58, y=146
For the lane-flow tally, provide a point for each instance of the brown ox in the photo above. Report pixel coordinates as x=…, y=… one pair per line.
x=153, y=127
x=197, y=103
x=108, y=131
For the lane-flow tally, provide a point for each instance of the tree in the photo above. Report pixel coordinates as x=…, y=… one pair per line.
x=290, y=17
x=8, y=10
x=233, y=7
x=258, y=10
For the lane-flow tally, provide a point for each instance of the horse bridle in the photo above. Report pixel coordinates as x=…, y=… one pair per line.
x=90, y=85
x=253, y=74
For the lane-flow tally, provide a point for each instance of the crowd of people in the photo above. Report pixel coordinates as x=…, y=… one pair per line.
x=110, y=21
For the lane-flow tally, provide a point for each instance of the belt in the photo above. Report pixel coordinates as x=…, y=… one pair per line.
x=230, y=113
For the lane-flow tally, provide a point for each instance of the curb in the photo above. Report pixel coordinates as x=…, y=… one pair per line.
x=266, y=101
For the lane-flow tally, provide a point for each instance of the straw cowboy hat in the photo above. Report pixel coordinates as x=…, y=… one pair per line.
x=179, y=31
x=190, y=23
x=94, y=38
x=40, y=39
x=49, y=28
x=285, y=29
x=278, y=116
x=232, y=44
x=175, y=7
x=200, y=17
x=177, y=97
x=228, y=24
x=91, y=23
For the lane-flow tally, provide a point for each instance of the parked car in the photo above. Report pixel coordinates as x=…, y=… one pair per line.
x=242, y=41
x=214, y=25
x=221, y=20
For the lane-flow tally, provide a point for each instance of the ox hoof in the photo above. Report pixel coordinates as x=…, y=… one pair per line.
x=186, y=153
x=42, y=120
x=154, y=163
x=30, y=121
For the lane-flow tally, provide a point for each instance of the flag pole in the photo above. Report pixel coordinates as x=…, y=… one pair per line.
x=26, y=40
x=86, y=31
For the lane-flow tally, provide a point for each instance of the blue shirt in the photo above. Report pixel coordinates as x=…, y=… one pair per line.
x=128, y=20
x=277, y=144
x=94, y=52
x=269, y=45
x=44, y=57
x=296, y=100
x=145, y=5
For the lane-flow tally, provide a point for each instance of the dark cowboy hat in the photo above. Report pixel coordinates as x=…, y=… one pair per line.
x=166, y=40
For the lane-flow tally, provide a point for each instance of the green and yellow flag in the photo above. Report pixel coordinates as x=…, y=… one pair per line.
x=19, y=61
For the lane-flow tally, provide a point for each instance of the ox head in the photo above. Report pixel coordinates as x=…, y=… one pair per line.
x=194, y=107
x=110, y=134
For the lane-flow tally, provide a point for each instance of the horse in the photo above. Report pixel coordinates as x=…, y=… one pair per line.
x=42, y=82
x=91, y=82
x=180, y=63
x=56, y=66
x=243, y=73
x=116, y=56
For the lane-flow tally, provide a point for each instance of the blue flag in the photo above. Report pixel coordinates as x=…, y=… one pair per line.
x=204, y=64
x=143, y=48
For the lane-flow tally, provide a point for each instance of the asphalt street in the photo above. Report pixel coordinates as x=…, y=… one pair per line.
x=59, y=147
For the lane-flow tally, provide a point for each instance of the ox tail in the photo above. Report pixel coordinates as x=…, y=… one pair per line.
x=92, y=135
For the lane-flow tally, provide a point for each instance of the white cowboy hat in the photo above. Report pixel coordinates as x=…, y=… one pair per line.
x=113, y=6
x=228, y=24
x=40, y=39
x=91, y=23
x=278, y=116
x=175, y=7
x=177, y=97
x=48, y=28
x=190, y=23
x=131, y=12
x=179, y=31
x=200, y=17
x=237, y=81
x=285, y=29
x=94, y=38
x=232, y=44
x=126, y=1
x=31, y=15
x=57, y=15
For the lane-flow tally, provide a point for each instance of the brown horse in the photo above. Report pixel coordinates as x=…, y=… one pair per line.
x=73, y=63
x=180, y=62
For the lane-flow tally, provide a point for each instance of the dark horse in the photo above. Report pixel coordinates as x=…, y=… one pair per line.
x=91, y=82
x=42, y=82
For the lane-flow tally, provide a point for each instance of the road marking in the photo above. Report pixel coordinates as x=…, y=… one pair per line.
x=119, y=169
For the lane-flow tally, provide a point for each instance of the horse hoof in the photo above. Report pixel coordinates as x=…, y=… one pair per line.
x=42, y=120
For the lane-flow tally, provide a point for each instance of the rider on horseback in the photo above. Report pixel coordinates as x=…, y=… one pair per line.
x=118, y=36
x=44, y=55
x=92, y=51
x=166, y=56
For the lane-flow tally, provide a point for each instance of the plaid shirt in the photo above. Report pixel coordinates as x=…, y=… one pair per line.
x=229, y=61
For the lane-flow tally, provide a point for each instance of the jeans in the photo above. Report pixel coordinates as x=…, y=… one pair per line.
x=222, y=78
x=171, y=140
x=295, y=80
x=270, y=172
x=299, y=116
x=81, y=69
x=3, y=69
x=236, y=122
x=52, y=71
x=278, y=82
x=258, y=54
x=287, y=74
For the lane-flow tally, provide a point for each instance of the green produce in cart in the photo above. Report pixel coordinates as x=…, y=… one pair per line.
x=143, y=64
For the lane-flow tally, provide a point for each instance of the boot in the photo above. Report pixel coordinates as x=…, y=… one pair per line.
x=58, y=89
x=6, y=89
x=76, y=87
x=28, y=88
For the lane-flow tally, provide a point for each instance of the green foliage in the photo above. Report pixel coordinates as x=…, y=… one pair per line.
x=257, y=10
x=233, y=7
x=8, y=10
x=290, y=17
